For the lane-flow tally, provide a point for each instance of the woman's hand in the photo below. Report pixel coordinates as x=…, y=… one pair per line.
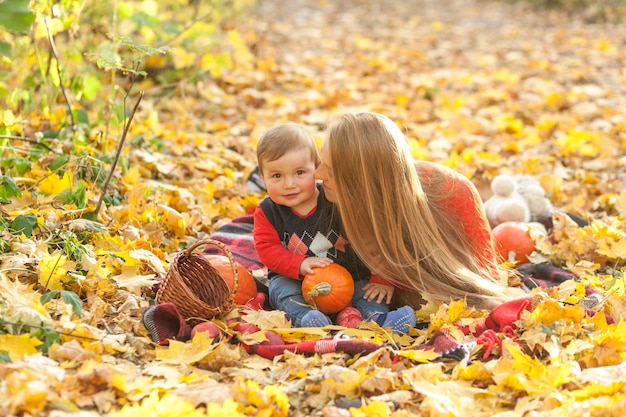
x=306, y=267
x=378, y=292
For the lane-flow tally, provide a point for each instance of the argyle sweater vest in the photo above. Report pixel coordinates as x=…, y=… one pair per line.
x=314, y=235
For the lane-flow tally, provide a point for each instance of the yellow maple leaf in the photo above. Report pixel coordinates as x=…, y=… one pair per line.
x=448, y=315
x=612, y=249
x=194, y=351
x=579, y=142
x=133, y=280
x=419, y=355
x=53, y=271
x=263, y=319
x=475, y=371
x=169, y=405
x=130, y=383
x=269, y=401
x=597, y=390
x=18, y=346
x=455, y=311
x=150, y=258
x=53, y=185
x=401, y=100
x=25, y=393
x=549, y=311
x=522, y=362
x=605, y=45
x=351, y=380
x=610, y=345
x=173, y=219
x=132, y=176
x=230, y=408
x=373, y=409
x=20, y=303
x=299, y=334
x=253, y=338
x=510, y=124
x=544, y=376
x=242, y=55
x=555, y=100
x=616, y=303
x=545, y=127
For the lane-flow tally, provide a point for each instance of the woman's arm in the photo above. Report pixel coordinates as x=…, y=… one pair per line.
x=455, y=202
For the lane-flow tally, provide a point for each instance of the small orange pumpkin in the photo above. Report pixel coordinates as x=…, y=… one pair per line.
x=246, y=288
x=513, y=237
x=329, y=289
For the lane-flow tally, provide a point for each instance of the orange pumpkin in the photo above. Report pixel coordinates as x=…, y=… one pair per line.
x=329, y=289
x=246, y=288
x=513, y=240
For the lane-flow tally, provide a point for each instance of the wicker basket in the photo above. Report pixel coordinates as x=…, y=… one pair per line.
x=195, y=286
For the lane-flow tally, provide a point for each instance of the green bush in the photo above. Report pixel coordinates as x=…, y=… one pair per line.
x=80, y=54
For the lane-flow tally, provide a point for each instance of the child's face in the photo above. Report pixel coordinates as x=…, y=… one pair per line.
x=290, y=180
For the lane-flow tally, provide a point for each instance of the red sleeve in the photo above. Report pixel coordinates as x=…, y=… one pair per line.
x=270, y=249
x=463, y=202
x=377, y=279
x=474, y=221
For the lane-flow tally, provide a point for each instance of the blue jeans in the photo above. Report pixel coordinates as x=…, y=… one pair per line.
x=285, y=294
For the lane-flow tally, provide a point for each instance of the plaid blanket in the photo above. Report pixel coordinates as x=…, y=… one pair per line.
x=165, y=323
x=543, y=275
x=236, y=234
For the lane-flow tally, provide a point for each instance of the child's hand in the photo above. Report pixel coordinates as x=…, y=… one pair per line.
x=378, y=292
x=306, y=267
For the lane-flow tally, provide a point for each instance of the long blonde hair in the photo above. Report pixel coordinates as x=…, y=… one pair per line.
x=398, y=230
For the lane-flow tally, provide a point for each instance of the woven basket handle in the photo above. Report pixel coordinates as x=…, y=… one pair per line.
x=229, y=255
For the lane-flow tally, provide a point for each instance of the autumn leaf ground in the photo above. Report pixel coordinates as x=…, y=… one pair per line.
x=484, y=87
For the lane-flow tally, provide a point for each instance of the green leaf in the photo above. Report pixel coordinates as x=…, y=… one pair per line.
x=17, y=163
x=16, y=15
x=91, y=86
x=48, y=296
x=71, y=298
x=77, y=196
x=8, y=189
x=24, y=224
x=6, y=49
x=59, y=162
x=49, y=337
x=81, y=117
x=4, y=357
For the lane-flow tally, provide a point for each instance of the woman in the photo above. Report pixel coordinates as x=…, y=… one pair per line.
x=419, y=225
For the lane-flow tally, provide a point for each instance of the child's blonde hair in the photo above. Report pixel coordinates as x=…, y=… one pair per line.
x=401, y=232
x=283, y=138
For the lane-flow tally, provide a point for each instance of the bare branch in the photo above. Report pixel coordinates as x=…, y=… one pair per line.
x=56, y=58
x=118, y=152
x=29, y=140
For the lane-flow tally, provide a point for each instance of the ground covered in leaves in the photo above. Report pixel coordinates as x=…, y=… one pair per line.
x=484, y=87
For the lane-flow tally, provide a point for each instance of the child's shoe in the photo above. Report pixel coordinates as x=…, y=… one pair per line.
x=398, y=320
x=314, y=318
x=349, y=317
